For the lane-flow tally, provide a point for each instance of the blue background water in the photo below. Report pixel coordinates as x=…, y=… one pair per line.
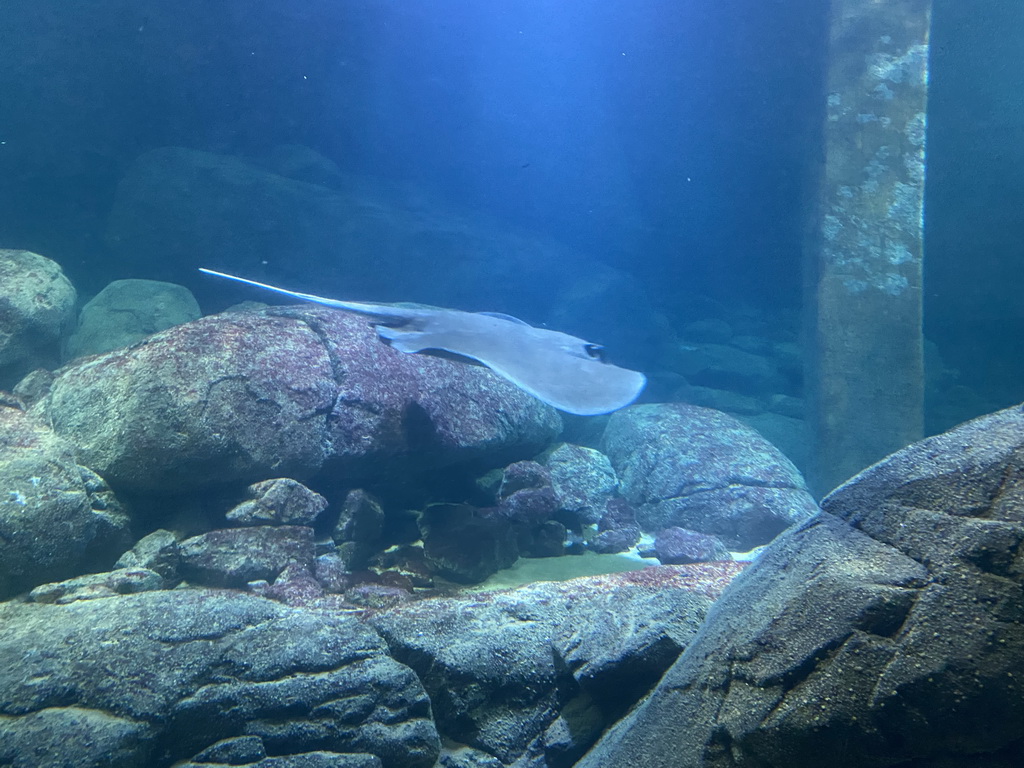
x=677, y=140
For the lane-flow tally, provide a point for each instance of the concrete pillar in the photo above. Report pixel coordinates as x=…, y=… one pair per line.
x=866, y=369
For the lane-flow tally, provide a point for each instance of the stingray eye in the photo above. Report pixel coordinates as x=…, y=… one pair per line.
x=594, y=351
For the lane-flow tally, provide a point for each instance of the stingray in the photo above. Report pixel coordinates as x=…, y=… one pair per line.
x=561, y=370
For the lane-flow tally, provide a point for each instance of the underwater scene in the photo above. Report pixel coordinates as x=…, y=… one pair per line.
x=523, y=384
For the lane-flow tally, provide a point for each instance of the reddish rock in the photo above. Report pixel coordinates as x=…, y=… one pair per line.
x=675, y=546
x=243, y=396
x=696, y=468
x=232, y=557
x=37, y=309
x=58, y=519
x=281, y=501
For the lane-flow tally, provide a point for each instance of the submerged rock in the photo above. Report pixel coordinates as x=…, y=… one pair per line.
x=682, y=465
x=122, y=581
x=203, y=675
x=583, y=479
x=233, y=557
x=241, y=397
x=532, y=675
x=281, y=501
x=58, y=519
x=465, y=544
x=127, y=311
x=886, y=630
x=677, y=545
x=37, y=309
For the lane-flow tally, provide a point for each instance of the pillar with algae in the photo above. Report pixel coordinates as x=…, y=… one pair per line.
x=866, y=367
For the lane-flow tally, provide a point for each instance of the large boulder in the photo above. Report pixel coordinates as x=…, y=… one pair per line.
x=57, y=518
x=127, y=311
x=531, y=675
x=37, y=309
x=244, y=396
x=208, y=676
x=887, y=630
x=689, y=467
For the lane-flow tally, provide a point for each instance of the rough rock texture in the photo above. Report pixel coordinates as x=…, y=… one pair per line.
x=232, y=557
x=282, y=392
x=57, y=518
x=157, y=551
x=142, y=681
x=888, y=630
x=583, y=480
x=122, y=581
x=678, y=545
x=466, y=544
x=681, y=465
x=37, y=308
x=531, y=675
x=127, y=311
x=280, y=501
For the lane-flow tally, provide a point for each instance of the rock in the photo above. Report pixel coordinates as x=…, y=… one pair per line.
x=681, y=465
x=615, y=540
x=301, y=163
x=331, y=572
x=201, y=675
x=677, y=546
x=241, y=397
x=525, y=496
x=546, y=540
x=788, y=406
x=232, y=557
x=465, y=544
x=710, y=331
x=296, y=586
x=58, y=519
x=281, y=501
x=618, y=530
x=721, y=366
x=157, y=551
x=126, y=312
x=722, y=400
x=583, y=480
x=886, y=630
x=360, y=520
x=517, y=673
x=37, y=309
x=123, y=581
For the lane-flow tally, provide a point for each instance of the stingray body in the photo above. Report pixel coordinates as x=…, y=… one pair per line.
x=554, y=367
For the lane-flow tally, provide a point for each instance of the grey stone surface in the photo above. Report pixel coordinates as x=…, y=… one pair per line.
x=37, y=309
x=681, y=465
x=58, y=519
x=240, y=397
x=280, y=501
x=232, y=557
x=157, y=551
x=127, y=311
x=160, y=677
x=887, y=630
x=121, y=581
x=583, y=480
x=519, y=674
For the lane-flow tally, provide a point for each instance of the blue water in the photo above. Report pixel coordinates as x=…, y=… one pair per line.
x=676, y=140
